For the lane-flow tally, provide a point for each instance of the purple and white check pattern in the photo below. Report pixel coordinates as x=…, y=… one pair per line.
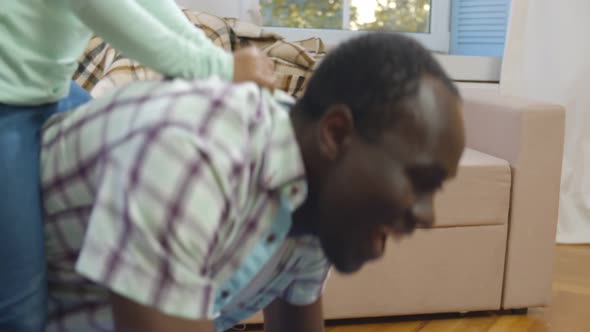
x=158, y=192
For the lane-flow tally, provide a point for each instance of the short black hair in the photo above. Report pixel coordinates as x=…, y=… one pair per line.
x=371, y=74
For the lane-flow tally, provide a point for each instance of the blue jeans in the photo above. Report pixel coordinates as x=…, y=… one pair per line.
x=23, y=284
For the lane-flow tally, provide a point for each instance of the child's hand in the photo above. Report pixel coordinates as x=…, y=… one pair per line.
x=250, y=64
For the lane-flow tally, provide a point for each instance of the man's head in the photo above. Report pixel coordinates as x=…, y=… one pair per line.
x=380, y=130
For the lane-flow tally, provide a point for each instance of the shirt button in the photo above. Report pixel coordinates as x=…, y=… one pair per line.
x=224, y=294
x=271, y=238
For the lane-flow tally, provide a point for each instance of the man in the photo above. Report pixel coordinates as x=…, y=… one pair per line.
x=188, y=206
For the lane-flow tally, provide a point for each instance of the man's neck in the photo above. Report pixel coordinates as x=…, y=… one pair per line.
x=304, y=217
x=303, y=221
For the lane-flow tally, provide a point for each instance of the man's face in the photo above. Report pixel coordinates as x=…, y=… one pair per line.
x=377, y=189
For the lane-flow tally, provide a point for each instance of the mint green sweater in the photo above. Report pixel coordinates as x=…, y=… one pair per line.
x=41, y=41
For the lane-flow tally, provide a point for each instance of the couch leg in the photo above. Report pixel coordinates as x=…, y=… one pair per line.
x=521, y=311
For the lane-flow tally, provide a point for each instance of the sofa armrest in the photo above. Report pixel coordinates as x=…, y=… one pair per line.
x=529, y=135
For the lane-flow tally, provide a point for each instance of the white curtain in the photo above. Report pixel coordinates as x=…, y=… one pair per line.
x=547, y=57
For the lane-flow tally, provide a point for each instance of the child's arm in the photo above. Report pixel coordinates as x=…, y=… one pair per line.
x=159, y=36
x=249, y=64
x=140, y=35
x=169, y=14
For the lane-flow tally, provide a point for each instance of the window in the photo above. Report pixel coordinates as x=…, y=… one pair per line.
x=467, y=35
x=399, y=15
x=337, y=20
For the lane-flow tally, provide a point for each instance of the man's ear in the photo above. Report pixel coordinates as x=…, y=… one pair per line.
x=336, y=130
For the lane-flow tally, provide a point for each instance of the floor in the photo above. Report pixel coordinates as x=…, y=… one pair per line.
x=569, y=312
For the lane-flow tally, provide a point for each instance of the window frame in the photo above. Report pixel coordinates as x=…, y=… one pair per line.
x=437, y=40
x=459, y=67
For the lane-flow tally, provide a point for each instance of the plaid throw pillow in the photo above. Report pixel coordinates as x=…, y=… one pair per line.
x=102, y=68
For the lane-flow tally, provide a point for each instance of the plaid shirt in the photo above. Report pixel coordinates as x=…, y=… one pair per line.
x=177, y=195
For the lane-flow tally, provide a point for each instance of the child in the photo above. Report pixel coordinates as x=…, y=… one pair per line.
x=41, y=43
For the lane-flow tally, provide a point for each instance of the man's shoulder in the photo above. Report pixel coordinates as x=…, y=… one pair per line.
x=246, y=100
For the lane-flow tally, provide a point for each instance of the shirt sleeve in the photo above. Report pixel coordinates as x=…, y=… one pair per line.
x=156, y=34
x=308, y=284
x=169, y=14
x=159, y=204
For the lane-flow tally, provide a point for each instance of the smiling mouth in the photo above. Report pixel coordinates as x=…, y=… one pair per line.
x=380, y=236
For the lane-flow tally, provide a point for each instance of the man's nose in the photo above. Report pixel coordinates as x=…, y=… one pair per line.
x=423, y=212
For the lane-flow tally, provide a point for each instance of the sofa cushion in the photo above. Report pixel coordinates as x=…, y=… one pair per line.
x=479, y=195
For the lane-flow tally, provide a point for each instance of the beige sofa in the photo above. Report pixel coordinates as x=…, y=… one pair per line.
x=492, y=247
